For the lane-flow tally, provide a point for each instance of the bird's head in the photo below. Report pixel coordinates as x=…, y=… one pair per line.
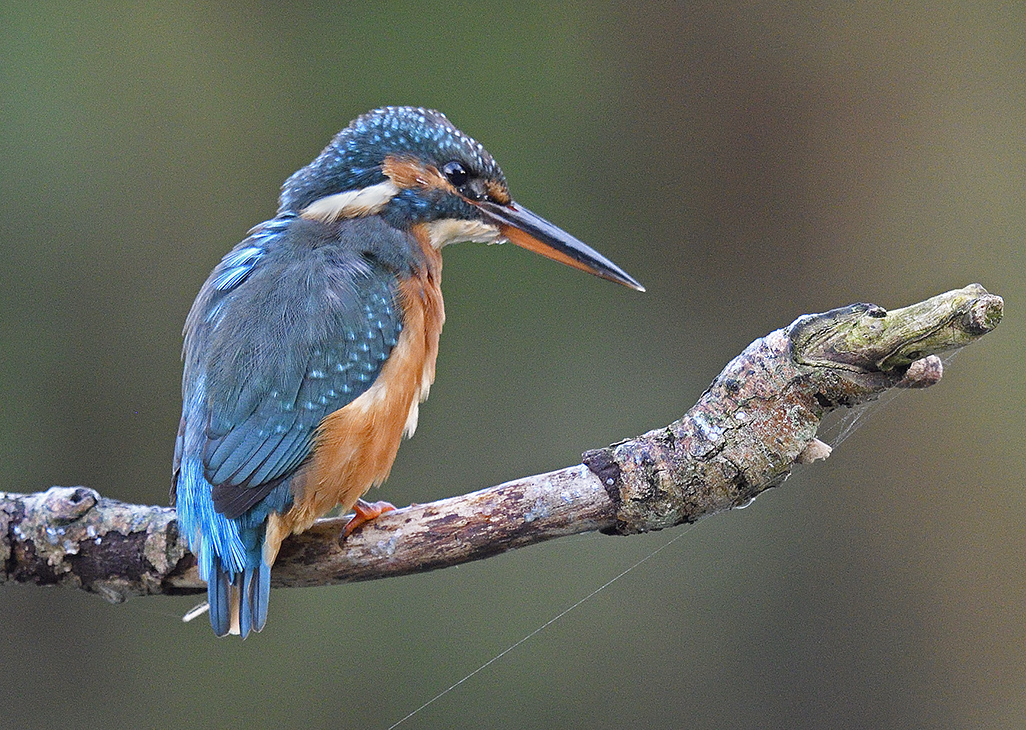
x=412, y=166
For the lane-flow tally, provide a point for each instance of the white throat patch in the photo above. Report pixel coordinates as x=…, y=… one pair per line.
x=454, y=230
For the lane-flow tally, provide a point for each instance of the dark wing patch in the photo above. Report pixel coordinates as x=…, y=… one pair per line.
x=301, y=333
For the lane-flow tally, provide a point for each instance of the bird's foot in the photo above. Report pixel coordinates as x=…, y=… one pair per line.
x=365, y=512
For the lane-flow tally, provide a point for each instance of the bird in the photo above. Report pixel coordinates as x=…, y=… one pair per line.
x=311, y=345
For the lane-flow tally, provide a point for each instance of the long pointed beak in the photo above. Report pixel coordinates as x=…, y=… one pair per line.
x=534, y=233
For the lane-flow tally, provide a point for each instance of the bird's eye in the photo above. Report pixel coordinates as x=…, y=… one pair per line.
x=456, y=173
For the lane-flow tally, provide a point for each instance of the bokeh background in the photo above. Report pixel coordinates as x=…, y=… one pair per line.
x=747, y=162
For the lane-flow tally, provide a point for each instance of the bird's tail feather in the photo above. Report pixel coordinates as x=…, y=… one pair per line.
x=253, y=599
x=219, y=596
x=238, y=601
x=230, y=551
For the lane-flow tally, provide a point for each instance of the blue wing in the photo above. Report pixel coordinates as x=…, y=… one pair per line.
x=293, y=324
x=290, y=326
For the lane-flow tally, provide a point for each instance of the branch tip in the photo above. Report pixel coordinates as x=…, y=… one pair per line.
x=756, y=420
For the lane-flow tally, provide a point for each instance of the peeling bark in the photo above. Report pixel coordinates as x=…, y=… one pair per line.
x=758, y=418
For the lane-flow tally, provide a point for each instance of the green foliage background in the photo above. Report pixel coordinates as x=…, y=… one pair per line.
x=747, y=162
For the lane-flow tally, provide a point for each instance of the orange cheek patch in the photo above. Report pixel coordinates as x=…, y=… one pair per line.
x=408, y=173
x=497, y=192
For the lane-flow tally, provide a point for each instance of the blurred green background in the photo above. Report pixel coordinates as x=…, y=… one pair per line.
x=748, y=163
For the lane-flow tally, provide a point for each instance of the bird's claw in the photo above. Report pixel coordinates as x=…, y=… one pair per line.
x=365, y=512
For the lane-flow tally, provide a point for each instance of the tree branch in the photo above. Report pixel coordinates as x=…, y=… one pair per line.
x=757, y=419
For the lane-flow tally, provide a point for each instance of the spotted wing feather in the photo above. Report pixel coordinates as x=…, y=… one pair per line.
x=291, y=326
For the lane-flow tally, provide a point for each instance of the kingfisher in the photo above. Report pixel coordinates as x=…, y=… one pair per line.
x=312, y=343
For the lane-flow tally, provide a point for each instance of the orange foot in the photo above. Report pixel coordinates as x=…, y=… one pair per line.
x=365, y=512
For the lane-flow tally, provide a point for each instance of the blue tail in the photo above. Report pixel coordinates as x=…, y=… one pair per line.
x=229, y=552
x=239, y=600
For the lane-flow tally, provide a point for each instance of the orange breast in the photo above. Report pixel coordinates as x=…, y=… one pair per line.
x=356, y=445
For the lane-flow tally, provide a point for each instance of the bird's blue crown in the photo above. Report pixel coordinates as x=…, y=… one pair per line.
x=353, y=159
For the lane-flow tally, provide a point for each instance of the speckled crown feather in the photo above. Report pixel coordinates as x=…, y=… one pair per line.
x=353, y=159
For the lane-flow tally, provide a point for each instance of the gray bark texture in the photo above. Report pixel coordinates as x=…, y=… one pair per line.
x=756, y=420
